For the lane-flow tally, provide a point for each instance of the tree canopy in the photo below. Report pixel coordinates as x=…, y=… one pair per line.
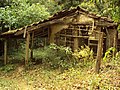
x=18, y=13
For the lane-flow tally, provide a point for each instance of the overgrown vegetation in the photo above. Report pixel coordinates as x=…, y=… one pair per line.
x=57, y=67
x=55, y=56
x=62, y=57
x=8, y=68
x=41, y=76
x=84, y=54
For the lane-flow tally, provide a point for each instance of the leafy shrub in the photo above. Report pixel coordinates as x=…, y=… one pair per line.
x=108, y=54
x=84, y=54
x=117, y=56
x=8, y=68
x=115, y=61
x=58, y=56
x=55, y=56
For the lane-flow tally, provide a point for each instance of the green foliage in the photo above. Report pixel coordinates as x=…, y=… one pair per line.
x=62, y=57
x=66, y=4
x=89, y=6
x=117, y=55
x=21, y=13
x=55, y=56
x=110, y=8
x=51, y=5
x=8, y=68
x=109, y=54
x=16, y=50
x=84, y=54
x=4, y=3
x=116, y=60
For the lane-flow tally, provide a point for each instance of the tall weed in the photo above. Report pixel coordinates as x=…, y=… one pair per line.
x=84, y=55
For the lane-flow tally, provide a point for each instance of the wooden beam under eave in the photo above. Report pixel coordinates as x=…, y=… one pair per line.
x=5, y=52
x=27, y=48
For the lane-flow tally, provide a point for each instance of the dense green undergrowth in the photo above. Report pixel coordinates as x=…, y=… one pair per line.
x=58, y=68
x=54, y=56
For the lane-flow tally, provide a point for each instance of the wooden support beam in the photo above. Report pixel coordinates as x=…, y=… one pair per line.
x=93, y=25
x=108, y=39
x=27, y=48
x=115, y=42
x=5, y=52
x=75, y=47
x=32, y=44
x=58, y=40
x=99, y=52
x=49, y=35
x=65, y=39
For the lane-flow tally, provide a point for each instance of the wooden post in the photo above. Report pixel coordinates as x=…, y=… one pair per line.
x=45, y=41
x=115, y=42
x=49, y=35
x=99, y=52
x=27, y=48
x=5, y=52
x=32, y=44
x=75, y=40
x=65, y=39
x=107, y=39
x=58, y=39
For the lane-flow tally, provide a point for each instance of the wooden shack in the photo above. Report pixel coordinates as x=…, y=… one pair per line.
x=72, y=28
x=80, y=27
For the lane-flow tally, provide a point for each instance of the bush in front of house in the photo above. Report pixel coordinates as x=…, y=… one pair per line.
x=58, y=56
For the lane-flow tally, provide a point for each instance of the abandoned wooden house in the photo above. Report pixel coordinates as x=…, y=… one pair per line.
x=72, y=28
